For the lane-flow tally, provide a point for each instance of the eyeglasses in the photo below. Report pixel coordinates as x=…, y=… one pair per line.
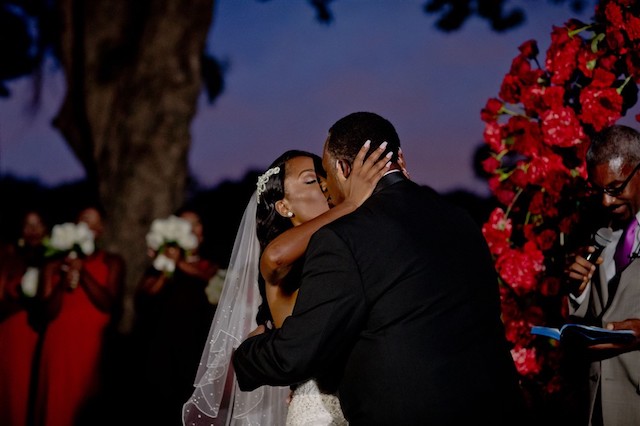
x=616, y=191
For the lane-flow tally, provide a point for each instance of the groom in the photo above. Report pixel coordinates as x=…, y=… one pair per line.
x=398, y=309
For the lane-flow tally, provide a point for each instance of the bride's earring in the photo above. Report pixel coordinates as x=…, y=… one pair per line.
x=289, y=214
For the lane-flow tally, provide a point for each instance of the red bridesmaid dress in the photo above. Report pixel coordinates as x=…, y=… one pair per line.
x=69, y=373
x=17, y=347
x=18, y=339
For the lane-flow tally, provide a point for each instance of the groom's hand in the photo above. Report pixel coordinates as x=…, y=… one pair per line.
x=259, y=330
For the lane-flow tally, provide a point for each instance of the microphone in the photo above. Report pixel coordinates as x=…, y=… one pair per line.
x=601, y=239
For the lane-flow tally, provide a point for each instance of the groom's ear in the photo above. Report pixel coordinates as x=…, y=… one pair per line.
x=344, y=167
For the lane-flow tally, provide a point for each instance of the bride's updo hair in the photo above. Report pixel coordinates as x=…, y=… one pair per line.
x=269, y=223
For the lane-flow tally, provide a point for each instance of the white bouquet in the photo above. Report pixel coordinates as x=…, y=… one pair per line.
x=214, y=287
x=71, y=239
x=29, y=282
x=175, y=231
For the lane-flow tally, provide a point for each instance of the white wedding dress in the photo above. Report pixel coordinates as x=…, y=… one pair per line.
x=310, y=407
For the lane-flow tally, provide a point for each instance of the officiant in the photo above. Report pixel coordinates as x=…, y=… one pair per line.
x=607, y=289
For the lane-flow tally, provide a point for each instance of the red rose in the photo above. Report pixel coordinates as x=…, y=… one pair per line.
x=490, y=164
x=497, y=231
x=492, y=109
x=562, y=55
x=510, y=89
x=529, y=49
x=561, y=127
x=493, y=136
x=526, y=361
x=632, y=26
x=600, y=107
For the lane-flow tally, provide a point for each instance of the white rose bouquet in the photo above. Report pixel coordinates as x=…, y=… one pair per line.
x=172, y=231
x=29, y=282
x=70, y=239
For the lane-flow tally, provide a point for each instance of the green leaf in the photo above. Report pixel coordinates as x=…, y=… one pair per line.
x=594, y=43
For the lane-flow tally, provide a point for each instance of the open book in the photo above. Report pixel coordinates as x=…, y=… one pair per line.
x=585, y=334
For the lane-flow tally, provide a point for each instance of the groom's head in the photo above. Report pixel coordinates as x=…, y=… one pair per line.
x=345, y=139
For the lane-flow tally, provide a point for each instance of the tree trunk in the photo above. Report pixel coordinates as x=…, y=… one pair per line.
x=133, y=81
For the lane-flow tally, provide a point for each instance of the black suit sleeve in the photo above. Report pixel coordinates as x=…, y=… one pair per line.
x=327, y=317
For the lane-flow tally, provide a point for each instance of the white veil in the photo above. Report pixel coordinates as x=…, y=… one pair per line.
x=217, y=400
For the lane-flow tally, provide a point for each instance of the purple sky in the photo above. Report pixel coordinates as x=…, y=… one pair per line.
x=291, y=77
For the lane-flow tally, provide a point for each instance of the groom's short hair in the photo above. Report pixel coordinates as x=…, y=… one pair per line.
x=348, y=134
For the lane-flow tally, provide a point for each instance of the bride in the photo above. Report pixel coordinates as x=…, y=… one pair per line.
x=288, y=206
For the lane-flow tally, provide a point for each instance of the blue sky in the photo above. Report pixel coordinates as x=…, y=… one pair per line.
x=290, y=78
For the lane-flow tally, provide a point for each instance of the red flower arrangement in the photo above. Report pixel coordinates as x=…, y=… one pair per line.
x=538, y=130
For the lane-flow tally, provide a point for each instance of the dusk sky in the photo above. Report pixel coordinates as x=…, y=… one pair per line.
x=291, y=77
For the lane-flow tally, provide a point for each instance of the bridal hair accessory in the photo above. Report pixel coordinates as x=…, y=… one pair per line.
x=263, y=179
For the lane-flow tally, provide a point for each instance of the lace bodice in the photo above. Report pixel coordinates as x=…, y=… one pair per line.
x=310, y=407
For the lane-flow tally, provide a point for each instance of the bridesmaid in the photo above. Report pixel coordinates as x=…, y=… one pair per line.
x=20, y=265
x=80, y=295
x=173, y=320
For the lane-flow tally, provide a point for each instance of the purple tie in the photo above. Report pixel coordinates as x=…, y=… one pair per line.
x=622, y=256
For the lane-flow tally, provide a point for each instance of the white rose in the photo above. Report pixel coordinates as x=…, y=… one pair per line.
x=183, y=227
x=214, y=287
x=29, y=282
x=169, y=230
x=62, y=236
x=163, y=263
x=172, y=229
x=154, y=240
x=85, y=238
x=159, y=226
x=188, y=241
x=87, y=247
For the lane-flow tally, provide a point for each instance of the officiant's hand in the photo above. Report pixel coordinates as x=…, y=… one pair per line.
x=580, y=272
x=632, y=324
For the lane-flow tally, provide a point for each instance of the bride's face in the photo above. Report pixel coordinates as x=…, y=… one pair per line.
x=303, y=193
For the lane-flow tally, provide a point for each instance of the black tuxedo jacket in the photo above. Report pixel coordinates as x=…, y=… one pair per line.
x=398, y=311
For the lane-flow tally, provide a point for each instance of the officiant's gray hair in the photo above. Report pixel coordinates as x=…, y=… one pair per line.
x=616, y=141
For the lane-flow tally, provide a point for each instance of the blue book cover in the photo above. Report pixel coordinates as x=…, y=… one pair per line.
x=586, y=334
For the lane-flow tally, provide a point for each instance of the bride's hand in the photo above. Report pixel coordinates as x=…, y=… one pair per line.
x=364, y=174
x=402, y=163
